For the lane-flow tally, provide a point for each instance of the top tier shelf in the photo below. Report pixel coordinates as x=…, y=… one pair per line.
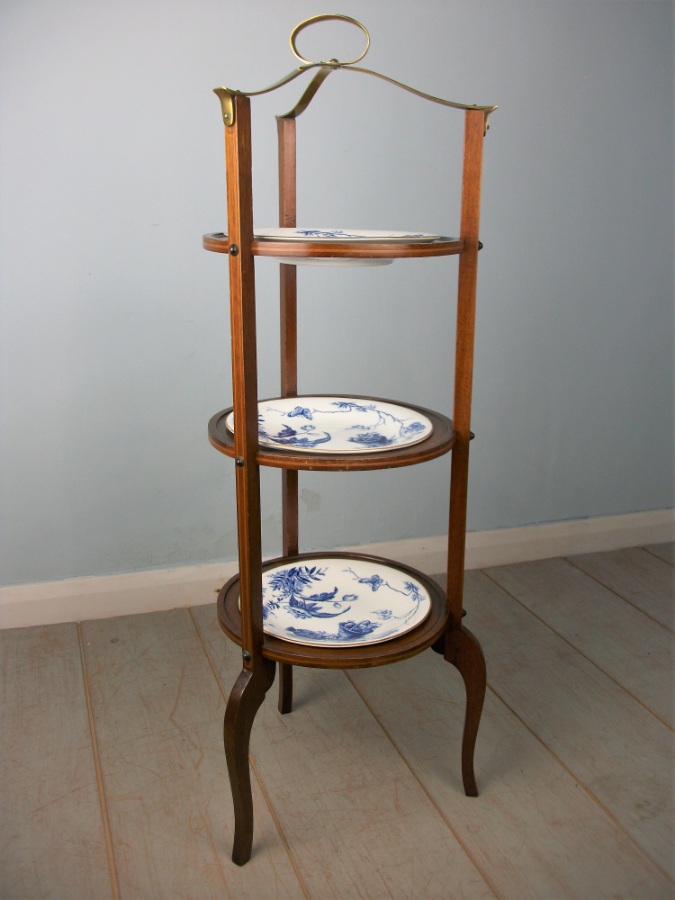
x=443, y=246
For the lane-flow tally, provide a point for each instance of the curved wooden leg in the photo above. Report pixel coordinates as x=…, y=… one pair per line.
x=244, y=701
x=285, y=688
x=466, y=654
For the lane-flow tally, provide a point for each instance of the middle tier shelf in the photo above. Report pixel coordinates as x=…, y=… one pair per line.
x=439, y=442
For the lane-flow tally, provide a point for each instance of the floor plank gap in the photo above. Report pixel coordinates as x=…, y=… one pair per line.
x=666, y=552
x=279, y=827
x=114, y=882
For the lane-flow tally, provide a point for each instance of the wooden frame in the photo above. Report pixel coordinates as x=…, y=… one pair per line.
x=240, y=601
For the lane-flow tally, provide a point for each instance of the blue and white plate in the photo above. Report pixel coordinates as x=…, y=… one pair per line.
x=339, y=234
x=362, y=261
x=337, y=425
x=341, y=602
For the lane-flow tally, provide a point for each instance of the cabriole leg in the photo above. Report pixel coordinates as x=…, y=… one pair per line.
x=466, y=654
x=247, y=695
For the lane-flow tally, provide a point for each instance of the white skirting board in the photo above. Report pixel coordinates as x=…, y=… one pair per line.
x=99, y=597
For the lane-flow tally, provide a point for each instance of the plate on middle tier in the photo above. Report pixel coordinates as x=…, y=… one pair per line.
x=337, y=425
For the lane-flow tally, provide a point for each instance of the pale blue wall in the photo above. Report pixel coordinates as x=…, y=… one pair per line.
x=114, y=348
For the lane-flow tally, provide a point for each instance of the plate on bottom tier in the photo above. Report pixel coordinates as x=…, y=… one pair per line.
x=337, y=425
x=341, y=602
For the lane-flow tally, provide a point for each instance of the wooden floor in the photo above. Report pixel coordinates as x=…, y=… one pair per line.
x=114, y=780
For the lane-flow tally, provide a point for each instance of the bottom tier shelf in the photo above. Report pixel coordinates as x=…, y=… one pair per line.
x=339, y=655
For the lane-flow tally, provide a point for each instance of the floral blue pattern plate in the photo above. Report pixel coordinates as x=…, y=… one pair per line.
x=339, y=602
x=338, y=234
x=337, y=425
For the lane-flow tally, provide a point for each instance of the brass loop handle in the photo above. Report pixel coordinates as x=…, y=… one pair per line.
x=328, y=17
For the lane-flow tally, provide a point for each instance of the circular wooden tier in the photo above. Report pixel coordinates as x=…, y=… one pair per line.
x=353, y=657
x=444, y=246
x=440, y=441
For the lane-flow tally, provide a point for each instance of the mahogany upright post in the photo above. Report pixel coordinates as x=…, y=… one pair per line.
x=289, y=360
x=257, y=673
x=461, y=647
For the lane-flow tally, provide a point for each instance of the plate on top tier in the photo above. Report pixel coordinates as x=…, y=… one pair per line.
x=339, y=234
x=337, y=425
x=338, y=602
x=331, y=260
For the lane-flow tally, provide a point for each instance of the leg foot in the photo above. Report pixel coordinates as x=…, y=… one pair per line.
x=243, y=704
x=466, y=654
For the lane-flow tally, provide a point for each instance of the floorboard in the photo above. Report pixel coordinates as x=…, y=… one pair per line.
x=158, y=716
x=114, y=783
x=629, y=646
x=642, y=578
x=614, y=746
x=356, y=820
x=51, y=827
x=533, y=830
x=665, y=552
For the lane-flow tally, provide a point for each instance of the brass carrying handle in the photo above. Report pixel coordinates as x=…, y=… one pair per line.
x=227, y=95
x=328, y=17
